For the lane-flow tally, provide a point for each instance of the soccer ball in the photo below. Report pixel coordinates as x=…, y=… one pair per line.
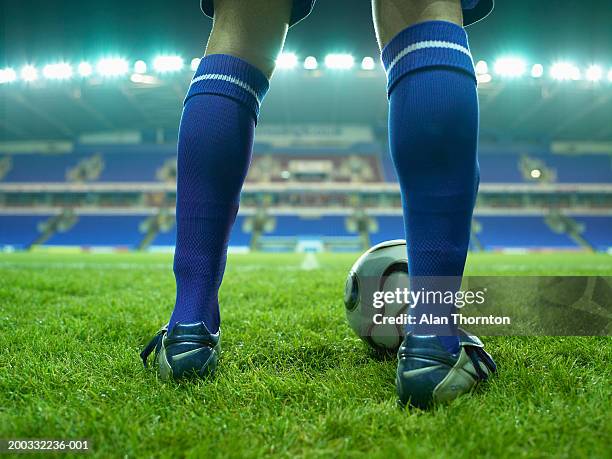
x=383, y=268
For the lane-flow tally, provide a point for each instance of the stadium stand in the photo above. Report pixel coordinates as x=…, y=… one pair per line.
x=389, y=227
x=118, y=231
x=597, y=231
x=324, y=226
x=520, y=232
x=19, y=231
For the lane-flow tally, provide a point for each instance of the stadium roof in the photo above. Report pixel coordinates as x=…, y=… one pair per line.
x=513, y=108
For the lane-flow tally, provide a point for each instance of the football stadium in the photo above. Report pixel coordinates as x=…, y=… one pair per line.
x=92, y=227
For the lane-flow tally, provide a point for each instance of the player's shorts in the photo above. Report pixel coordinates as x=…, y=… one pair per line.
x=477, y=12
x=473, y=10
x=300, y=9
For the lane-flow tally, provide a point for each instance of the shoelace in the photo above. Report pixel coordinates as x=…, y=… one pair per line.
x=477, y=355
x=155, y=343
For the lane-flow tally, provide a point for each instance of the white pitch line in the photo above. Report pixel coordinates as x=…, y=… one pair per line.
x=310, y=262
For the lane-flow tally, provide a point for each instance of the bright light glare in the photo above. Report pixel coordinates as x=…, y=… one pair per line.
x=594, y=73
x=112, y=66
x=537, y=70
x=536, y=173
x=7, y=75
x=60, y=71
x=29, y=73
x=310, y=63
x=339, y=61
x=510, y=67
x=565, y=71
x=368, y=63
x=143, y=79
x=286, y=61
x=610, y=75
x=85, y=69
x=140, y=67
x=482, y=67
x=484, y=78
x=195, y=63
x=164, y=64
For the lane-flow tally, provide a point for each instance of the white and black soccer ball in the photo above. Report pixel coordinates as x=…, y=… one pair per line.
x=383, y=268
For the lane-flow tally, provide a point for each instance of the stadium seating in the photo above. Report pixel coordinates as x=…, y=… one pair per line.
x=32, y=168
x=581, y=169
x=102, y=231
x=19, y=231
x=520, y=232
x=324, y=226
x=389, y=227
x=597, y=231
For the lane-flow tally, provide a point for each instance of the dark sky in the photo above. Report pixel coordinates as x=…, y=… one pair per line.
x=46, y=30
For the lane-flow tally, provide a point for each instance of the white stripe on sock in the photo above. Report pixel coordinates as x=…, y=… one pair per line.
x=228, y=78
x=428, y=44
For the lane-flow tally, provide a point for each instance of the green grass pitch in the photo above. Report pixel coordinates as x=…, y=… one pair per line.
x=293, y=380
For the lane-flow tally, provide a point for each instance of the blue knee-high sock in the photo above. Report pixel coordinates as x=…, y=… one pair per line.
x=214, y=153
x=433, y=129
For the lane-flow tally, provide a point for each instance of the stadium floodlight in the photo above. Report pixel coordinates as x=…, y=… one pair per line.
x=29, y=73
x=339, y=61
x=85, y=69
x=166, y=64
x=286, y=61
x=310, y=63
x=59, y=71
x=510, y=67
x=140, y=67
x=195, y=63
x=482, y=67
x=143, y=79
x=112, y=66
x=537, y=71
x=368, y=63
x=594, y=73
x=563, y=71
x=484, y=78
x=7, y=75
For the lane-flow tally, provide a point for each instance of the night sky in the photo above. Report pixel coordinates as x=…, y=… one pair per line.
x=40, y=31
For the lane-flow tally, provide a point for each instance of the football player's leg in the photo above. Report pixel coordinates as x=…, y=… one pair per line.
x=214, y=147
x=433, y=129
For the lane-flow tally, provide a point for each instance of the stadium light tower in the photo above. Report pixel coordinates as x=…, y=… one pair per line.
x=368, y=63
x=286, y=61
x=85, y=69
x=339, y=61
x=510, y=67
x=59, y=71
x=563, y=71
x=29, y=73
x=195, y=63
x=7, y=75
x=482, y=67
x=112, y=66
x=537, y=71
x=594, y=73
x=166, y=64
x=140, y=67
x=310, y=63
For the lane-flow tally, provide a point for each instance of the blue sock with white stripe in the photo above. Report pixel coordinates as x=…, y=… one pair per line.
x=214, y=153
x=433, y=130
